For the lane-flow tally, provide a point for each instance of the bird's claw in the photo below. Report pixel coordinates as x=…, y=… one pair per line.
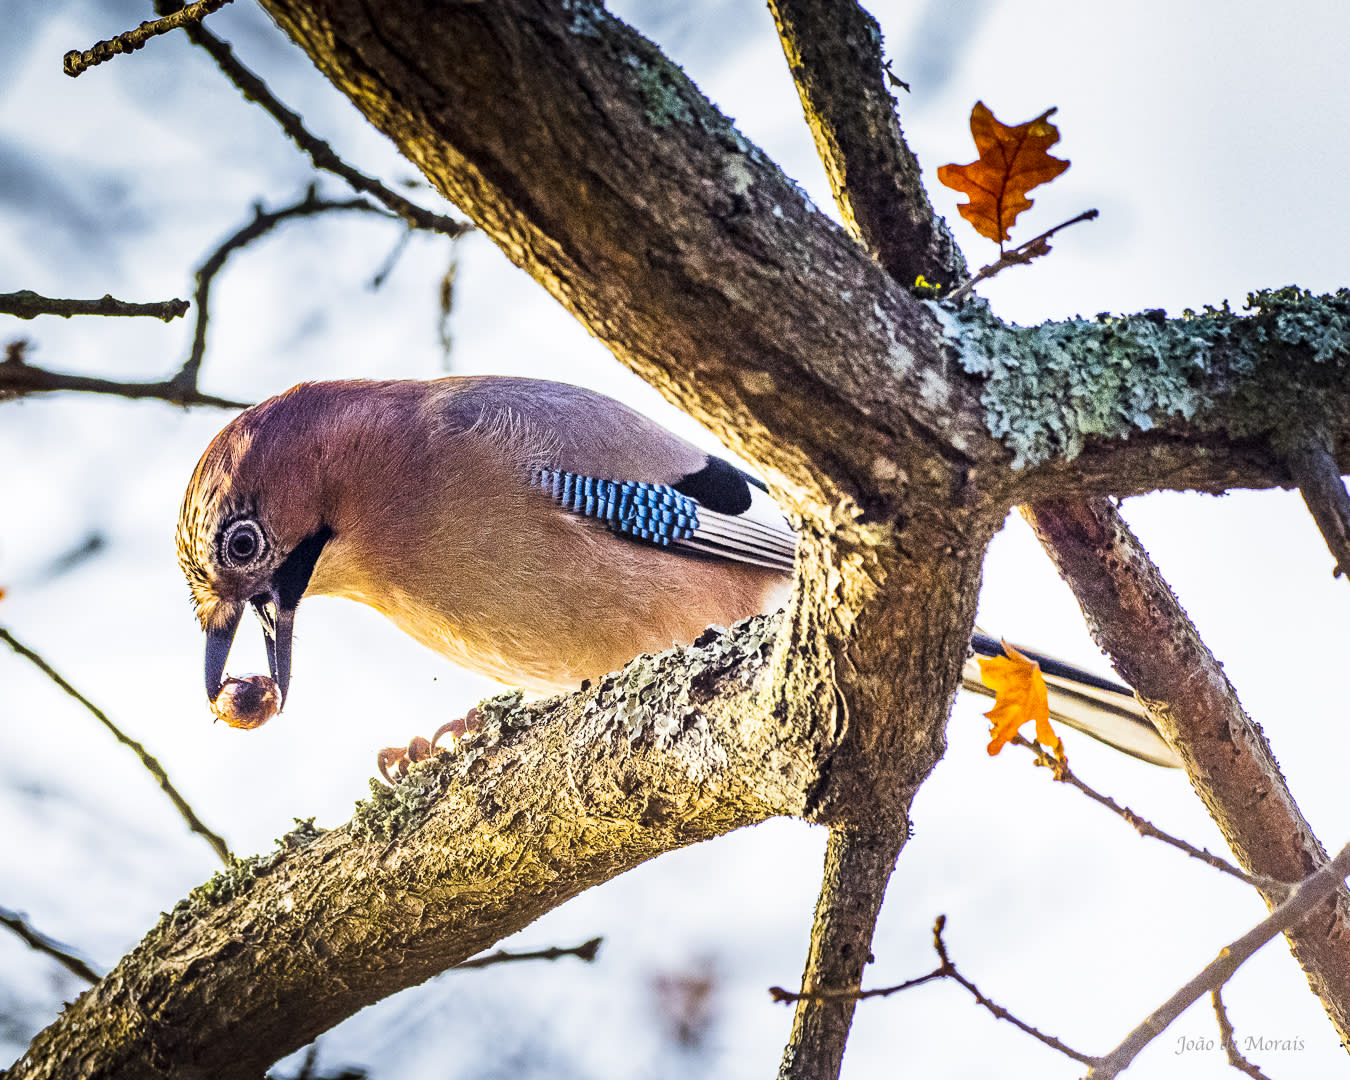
x=402, y=758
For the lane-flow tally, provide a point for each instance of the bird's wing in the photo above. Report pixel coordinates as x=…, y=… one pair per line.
x=1106, y=710
x=598, y=458
x=718, y=512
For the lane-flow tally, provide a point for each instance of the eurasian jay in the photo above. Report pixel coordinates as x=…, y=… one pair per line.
x=533, y=531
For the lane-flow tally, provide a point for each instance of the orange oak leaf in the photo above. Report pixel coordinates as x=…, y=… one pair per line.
x=1019, y=695
x=1012, y=161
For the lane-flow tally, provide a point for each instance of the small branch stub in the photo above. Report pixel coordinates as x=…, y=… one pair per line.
x=26, y=304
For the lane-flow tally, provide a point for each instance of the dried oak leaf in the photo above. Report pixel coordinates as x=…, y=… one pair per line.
x=1019, y=695
x=1012, y=161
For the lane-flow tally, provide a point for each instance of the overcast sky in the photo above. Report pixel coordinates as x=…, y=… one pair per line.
x=1213, y=138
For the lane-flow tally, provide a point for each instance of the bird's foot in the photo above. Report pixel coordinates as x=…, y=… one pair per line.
x=401, y=758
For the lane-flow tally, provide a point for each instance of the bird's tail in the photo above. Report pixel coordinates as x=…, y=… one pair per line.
x=1106, y=710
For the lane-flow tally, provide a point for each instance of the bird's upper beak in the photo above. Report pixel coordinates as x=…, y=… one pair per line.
x=278, y=625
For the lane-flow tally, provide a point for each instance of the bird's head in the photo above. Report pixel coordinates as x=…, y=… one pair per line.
x=251, y=529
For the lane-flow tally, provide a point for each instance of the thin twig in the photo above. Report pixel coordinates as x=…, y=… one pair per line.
x=264, y=221
x=19, y=380
x=1318, y=477
x=1310, y=893
x=75, y=62
x=320, y=153
x=1235, y=1057
x=945, y=970
x=1144, y=827
x=155, y=769
x=62, y=954
x=1019, y=255
x=26, y=304
x=585, y=951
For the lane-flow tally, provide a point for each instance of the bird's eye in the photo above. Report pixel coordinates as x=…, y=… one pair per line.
x=242, y=544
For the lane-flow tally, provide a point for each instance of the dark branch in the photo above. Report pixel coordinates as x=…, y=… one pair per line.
x=586, y=951
x=1061, y=772
x=62, y=954
x=320, y=153
x=152, y=766
x=20, y=379
x=76, y=62
x=858, y=865
x=264, y=221
x=26, y=304
x=834, y=51
x=945, y=970
x=1235, y=1057
x=1318, y=477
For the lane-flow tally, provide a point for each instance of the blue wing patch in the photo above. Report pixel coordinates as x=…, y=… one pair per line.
x=656, y=513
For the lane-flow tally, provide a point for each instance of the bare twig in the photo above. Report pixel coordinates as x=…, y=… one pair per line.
x=62, y=954
x=26, y=304
x=1318, y=477
x=1315, y=888
x=76, y=62
x=1022, y=254
x=152, y=766
x=1064, y=774
x=320, y=153
x=945, y=970
x=585, y=951
x=264, y=221
x=19, y=379
x=1235, y=1057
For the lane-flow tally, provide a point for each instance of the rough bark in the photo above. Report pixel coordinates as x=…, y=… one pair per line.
x=543, y=802
x=834, y=50
x=1138, y=621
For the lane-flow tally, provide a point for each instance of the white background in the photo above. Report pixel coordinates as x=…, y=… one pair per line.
x=1213, y=138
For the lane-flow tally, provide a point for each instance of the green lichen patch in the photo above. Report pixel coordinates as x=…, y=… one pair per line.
x=237, y=878
x=391, y=811
x=658, y=692
x=1049, y=388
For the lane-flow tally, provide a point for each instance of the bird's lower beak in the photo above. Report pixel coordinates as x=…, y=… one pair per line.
x=278, y=623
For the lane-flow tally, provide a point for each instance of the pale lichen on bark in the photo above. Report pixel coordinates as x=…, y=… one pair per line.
x=1049, y=389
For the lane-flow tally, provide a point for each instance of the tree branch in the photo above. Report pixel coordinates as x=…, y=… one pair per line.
x=20, y=379
x=538, y=804
x=264, y=221
x=1061, y=773
x=152, y=766
x=28, y=305
x=320, y=153
x=1318, y=477
x=1307, y=898
x=834, y=51
x=76, y=62
x=1137, y=621
x=62, y=954
x=858, y=865
x=586, y=952
x=1230, y=1049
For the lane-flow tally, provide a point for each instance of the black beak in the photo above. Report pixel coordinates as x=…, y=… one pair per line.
x=218, y=642
x=278, y=625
